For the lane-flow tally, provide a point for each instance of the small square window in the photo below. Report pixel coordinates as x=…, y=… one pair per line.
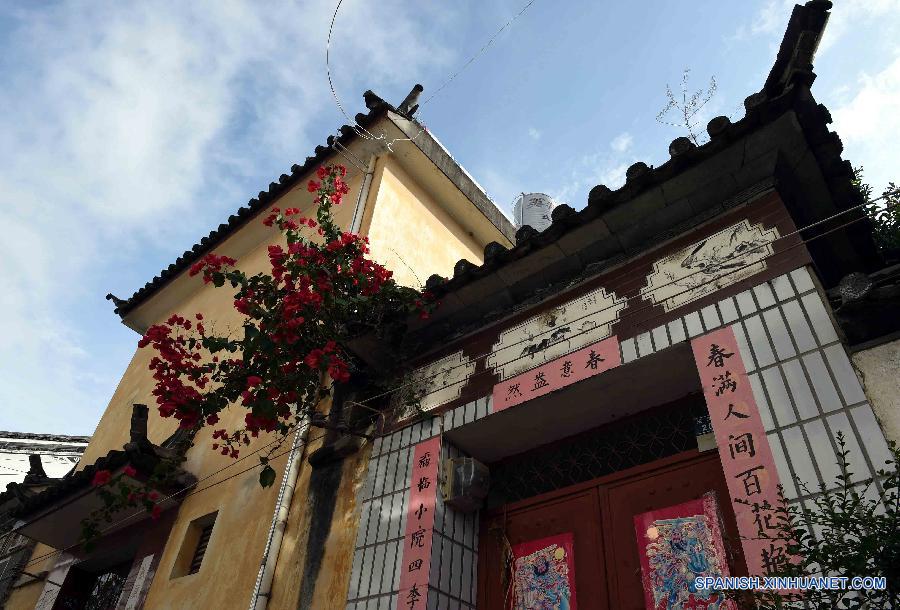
x=194, y=546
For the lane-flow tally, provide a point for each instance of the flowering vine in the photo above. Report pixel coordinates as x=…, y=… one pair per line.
x=321, y=291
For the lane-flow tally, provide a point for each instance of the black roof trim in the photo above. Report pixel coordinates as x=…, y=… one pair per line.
x=58, y=438
x=376, y=106
x=139, y=452
x=793, y=66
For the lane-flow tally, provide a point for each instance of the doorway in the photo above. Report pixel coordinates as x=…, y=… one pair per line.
x=599, y=515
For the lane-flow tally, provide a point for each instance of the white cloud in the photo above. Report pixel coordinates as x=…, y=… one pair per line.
x=534, y=134
x=622, y=142
x=868, y=124
x=118, y=118
x=606, y=166
x=772, y=18
x=847, y=15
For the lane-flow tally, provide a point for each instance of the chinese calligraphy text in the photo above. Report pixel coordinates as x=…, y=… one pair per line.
x=743, y=446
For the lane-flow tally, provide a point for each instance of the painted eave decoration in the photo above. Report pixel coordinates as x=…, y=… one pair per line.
x=722, y=259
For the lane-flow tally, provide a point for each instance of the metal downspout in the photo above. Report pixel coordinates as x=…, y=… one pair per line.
x=360, y=208
x=262, y=591
x=263, y=588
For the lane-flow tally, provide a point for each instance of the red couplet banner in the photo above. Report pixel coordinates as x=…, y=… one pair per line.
x=743, y=448
x=416, y=564
x=565, y=370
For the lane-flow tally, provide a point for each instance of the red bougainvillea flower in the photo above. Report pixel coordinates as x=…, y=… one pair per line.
x=101, y=477
x=295, y=321
x=294, y=327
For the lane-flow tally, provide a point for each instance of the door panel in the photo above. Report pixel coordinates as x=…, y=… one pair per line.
x=575, y=513
x=600, y=515
x=651, y=491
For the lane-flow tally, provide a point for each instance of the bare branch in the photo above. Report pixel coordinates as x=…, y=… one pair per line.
x=688, y=108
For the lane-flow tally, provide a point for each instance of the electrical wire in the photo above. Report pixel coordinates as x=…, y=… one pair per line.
x=480, y=52
x=388, y=392
x=365, y=133
x=640, y=296
x=175, y=494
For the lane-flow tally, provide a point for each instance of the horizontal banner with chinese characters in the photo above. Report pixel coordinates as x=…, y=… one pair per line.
x=564, y=371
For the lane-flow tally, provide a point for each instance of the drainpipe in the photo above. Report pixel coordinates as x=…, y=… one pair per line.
x=360, y=208
x=263, y=589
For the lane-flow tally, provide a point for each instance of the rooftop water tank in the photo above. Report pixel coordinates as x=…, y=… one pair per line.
x=533, y=209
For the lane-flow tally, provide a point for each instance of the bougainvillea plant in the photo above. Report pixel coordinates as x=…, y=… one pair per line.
x=321, y=291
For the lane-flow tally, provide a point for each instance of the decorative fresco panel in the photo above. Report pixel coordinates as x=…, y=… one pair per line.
x=676, y=545
x=544, y=574
x=744, y=448
x=704, y=267
x=566, y=370
x=578, y=323
x=433, y=385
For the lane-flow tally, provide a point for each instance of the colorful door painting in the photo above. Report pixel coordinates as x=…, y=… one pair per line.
x=543, y=575
x=599, y=516
x=676, y=545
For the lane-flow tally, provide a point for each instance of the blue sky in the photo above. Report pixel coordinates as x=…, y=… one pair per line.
x=129, y=130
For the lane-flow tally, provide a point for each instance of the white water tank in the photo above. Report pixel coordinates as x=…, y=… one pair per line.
x=533, y=209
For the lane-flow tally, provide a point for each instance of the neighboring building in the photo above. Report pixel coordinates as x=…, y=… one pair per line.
x=665, y=356
x=29, y=463
x=58, y=453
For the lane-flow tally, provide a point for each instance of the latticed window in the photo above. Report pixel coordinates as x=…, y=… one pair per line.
x=14, y=552
x=200, y=551
x=640, y=439
x=193, y=548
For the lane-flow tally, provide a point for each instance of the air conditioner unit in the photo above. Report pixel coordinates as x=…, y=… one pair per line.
x=465, y=483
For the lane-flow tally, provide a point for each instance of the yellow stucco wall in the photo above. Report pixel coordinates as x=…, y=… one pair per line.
x=333, y=578
x=28, y=590
x=411, y=235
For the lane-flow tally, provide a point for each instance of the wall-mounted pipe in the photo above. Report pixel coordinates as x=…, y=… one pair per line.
x=360, y=208
x=263, y=588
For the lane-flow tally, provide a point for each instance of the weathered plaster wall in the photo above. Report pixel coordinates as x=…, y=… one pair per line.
x=403, y=222
x=25, y=596
x=216, y=305
x=313, y=571
x=229, y=568
x=879, y=368
x=412, y=236
x=410, y=233
x=245, y=509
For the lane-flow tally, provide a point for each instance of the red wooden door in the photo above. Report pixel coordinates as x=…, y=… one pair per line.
x=653, y=490
x=600, y=515
x=575, y=512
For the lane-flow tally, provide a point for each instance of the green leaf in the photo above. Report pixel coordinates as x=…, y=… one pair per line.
x=267, y=476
